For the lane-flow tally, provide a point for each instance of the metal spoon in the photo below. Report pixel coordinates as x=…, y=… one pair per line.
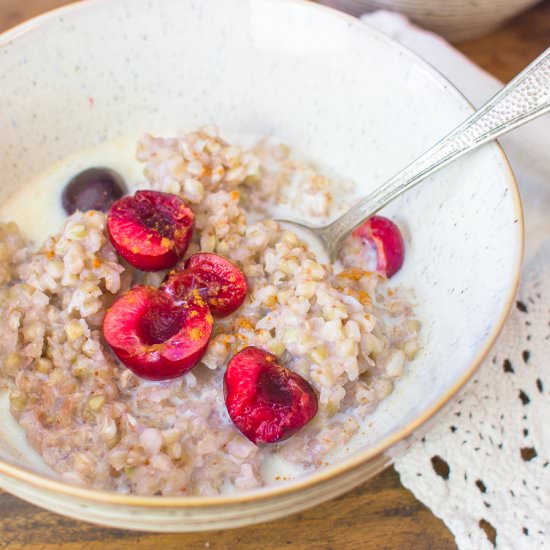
x=526, y=97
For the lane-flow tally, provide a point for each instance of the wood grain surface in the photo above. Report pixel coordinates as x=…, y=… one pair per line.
x=380, y=514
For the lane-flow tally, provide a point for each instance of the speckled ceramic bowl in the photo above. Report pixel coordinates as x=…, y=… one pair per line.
x=344, y=95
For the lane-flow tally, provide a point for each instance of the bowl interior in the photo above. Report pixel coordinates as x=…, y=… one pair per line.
x=342, y=94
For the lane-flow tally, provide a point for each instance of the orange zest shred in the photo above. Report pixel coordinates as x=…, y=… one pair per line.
x=353, y=273
x=195, y=333
x=363, y=297
x=244, y=323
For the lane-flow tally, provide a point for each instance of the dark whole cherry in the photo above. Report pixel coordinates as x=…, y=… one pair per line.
x=92, y=189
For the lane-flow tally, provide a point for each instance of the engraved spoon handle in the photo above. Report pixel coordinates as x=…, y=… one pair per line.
x=526, y=97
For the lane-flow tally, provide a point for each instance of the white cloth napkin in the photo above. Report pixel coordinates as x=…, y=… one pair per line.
x=491, y=447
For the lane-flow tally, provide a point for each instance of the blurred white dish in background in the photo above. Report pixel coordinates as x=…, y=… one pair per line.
x=456, y=20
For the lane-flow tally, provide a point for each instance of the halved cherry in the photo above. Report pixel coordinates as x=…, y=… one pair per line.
x=382, y=234
x=265, y=400
x=150, y=230
x=156, y=337
x=221, y=283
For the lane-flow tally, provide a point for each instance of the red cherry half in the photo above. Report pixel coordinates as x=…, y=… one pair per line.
x=382, y=234
x=156, y=337
x=221, y=283
x=266, y=401
x=150, y=230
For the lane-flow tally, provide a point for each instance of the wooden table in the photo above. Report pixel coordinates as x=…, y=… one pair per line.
x=380, y=514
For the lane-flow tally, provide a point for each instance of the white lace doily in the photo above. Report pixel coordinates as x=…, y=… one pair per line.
x=485, y=468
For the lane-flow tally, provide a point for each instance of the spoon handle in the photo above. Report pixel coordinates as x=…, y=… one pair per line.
x=526, y=97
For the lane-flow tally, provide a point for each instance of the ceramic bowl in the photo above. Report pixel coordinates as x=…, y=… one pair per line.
x=340, y=92
x=456, y=20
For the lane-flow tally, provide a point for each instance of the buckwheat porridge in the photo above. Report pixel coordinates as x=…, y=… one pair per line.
x=343, y=331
